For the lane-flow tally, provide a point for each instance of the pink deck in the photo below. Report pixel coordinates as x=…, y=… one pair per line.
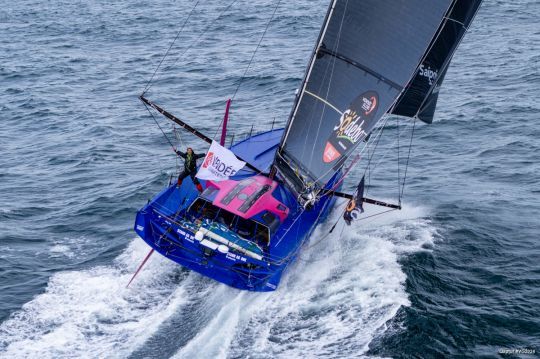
x=265, y=203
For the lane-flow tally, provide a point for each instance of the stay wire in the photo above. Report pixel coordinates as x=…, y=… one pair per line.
x=256, y=49
x=320, y=240
x=251, y=60
x=160, y=128
x=378, y=138
x=398, y=160
x=148, y=84
x=407, y=163
x=205, y=30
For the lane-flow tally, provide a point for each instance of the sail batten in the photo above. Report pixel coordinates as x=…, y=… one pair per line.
x=366, y=54
x=361, y=67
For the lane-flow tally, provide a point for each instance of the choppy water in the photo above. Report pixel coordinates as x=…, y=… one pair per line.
x=456, y=273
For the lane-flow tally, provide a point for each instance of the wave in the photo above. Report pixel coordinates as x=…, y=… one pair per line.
x=90, y=313
x=333, y=301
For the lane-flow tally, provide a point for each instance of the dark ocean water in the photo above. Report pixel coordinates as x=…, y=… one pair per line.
x=456, y=273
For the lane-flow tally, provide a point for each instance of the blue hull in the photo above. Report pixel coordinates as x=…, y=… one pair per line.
x=163, y=224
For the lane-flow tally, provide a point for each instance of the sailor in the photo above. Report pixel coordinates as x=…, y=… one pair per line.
x=190, y=167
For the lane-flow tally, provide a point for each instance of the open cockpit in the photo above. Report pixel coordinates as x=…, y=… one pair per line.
x=203, y=211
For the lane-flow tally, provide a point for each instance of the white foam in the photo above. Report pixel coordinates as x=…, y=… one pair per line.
x=90, y=313
x=332, y=301
x=61, y=249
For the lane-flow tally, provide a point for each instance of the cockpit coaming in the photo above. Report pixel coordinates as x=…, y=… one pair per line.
x=246, y=207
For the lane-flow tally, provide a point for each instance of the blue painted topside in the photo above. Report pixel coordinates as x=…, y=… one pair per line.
x=165, y=224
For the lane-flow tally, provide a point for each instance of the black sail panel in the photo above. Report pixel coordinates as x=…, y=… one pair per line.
x=367, y=52
x=388, y=36
x=335, y=122
x=420, y=97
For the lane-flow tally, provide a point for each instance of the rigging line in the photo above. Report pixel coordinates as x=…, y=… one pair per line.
x=147, y=87
x=205, y=30
x=375, y=140
x=256, y=49
x=379, y=136
x=377, y=127
x=351, y=165
x=376, y=214
x=178, y=135
x=331, y=68
x=161, y=129
x=398, y=169
x=179, y=140
x=330, y=231
x=389, y=148
x=250, y=61
x=407, y=163
x=324, y=101
x=341, y=232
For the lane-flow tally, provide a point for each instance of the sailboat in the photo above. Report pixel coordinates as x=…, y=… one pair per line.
x=372, y=59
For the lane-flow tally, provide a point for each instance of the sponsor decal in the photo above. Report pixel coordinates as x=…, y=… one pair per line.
x=208, y=159
x=352, y=126
x=140, y=228
x=428, y=73
x=187, y=235
x=219, y=164
x=235, y=257
x=330, y=153
x=270, y=285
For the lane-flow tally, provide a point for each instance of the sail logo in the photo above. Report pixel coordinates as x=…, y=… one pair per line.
x=428, y=73
x=352, y=126
x=369, y=105
x=330, y=153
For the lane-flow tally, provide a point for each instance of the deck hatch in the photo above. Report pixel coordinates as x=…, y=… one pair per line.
x=250, y=201
x=236, y=190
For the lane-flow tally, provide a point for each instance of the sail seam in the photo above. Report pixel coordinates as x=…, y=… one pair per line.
x=361, y=67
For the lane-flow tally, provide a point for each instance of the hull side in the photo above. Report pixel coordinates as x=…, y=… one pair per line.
x=163, y=225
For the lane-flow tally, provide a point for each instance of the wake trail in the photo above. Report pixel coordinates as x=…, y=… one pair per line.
x=90, y=313
x=332, y=301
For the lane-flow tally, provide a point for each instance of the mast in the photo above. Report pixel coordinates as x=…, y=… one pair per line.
x=225, y=120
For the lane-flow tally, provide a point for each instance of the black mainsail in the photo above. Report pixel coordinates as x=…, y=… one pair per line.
x=366, y=54
x=420, y=98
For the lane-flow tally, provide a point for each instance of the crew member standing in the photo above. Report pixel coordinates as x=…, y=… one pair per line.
x=190, y=167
